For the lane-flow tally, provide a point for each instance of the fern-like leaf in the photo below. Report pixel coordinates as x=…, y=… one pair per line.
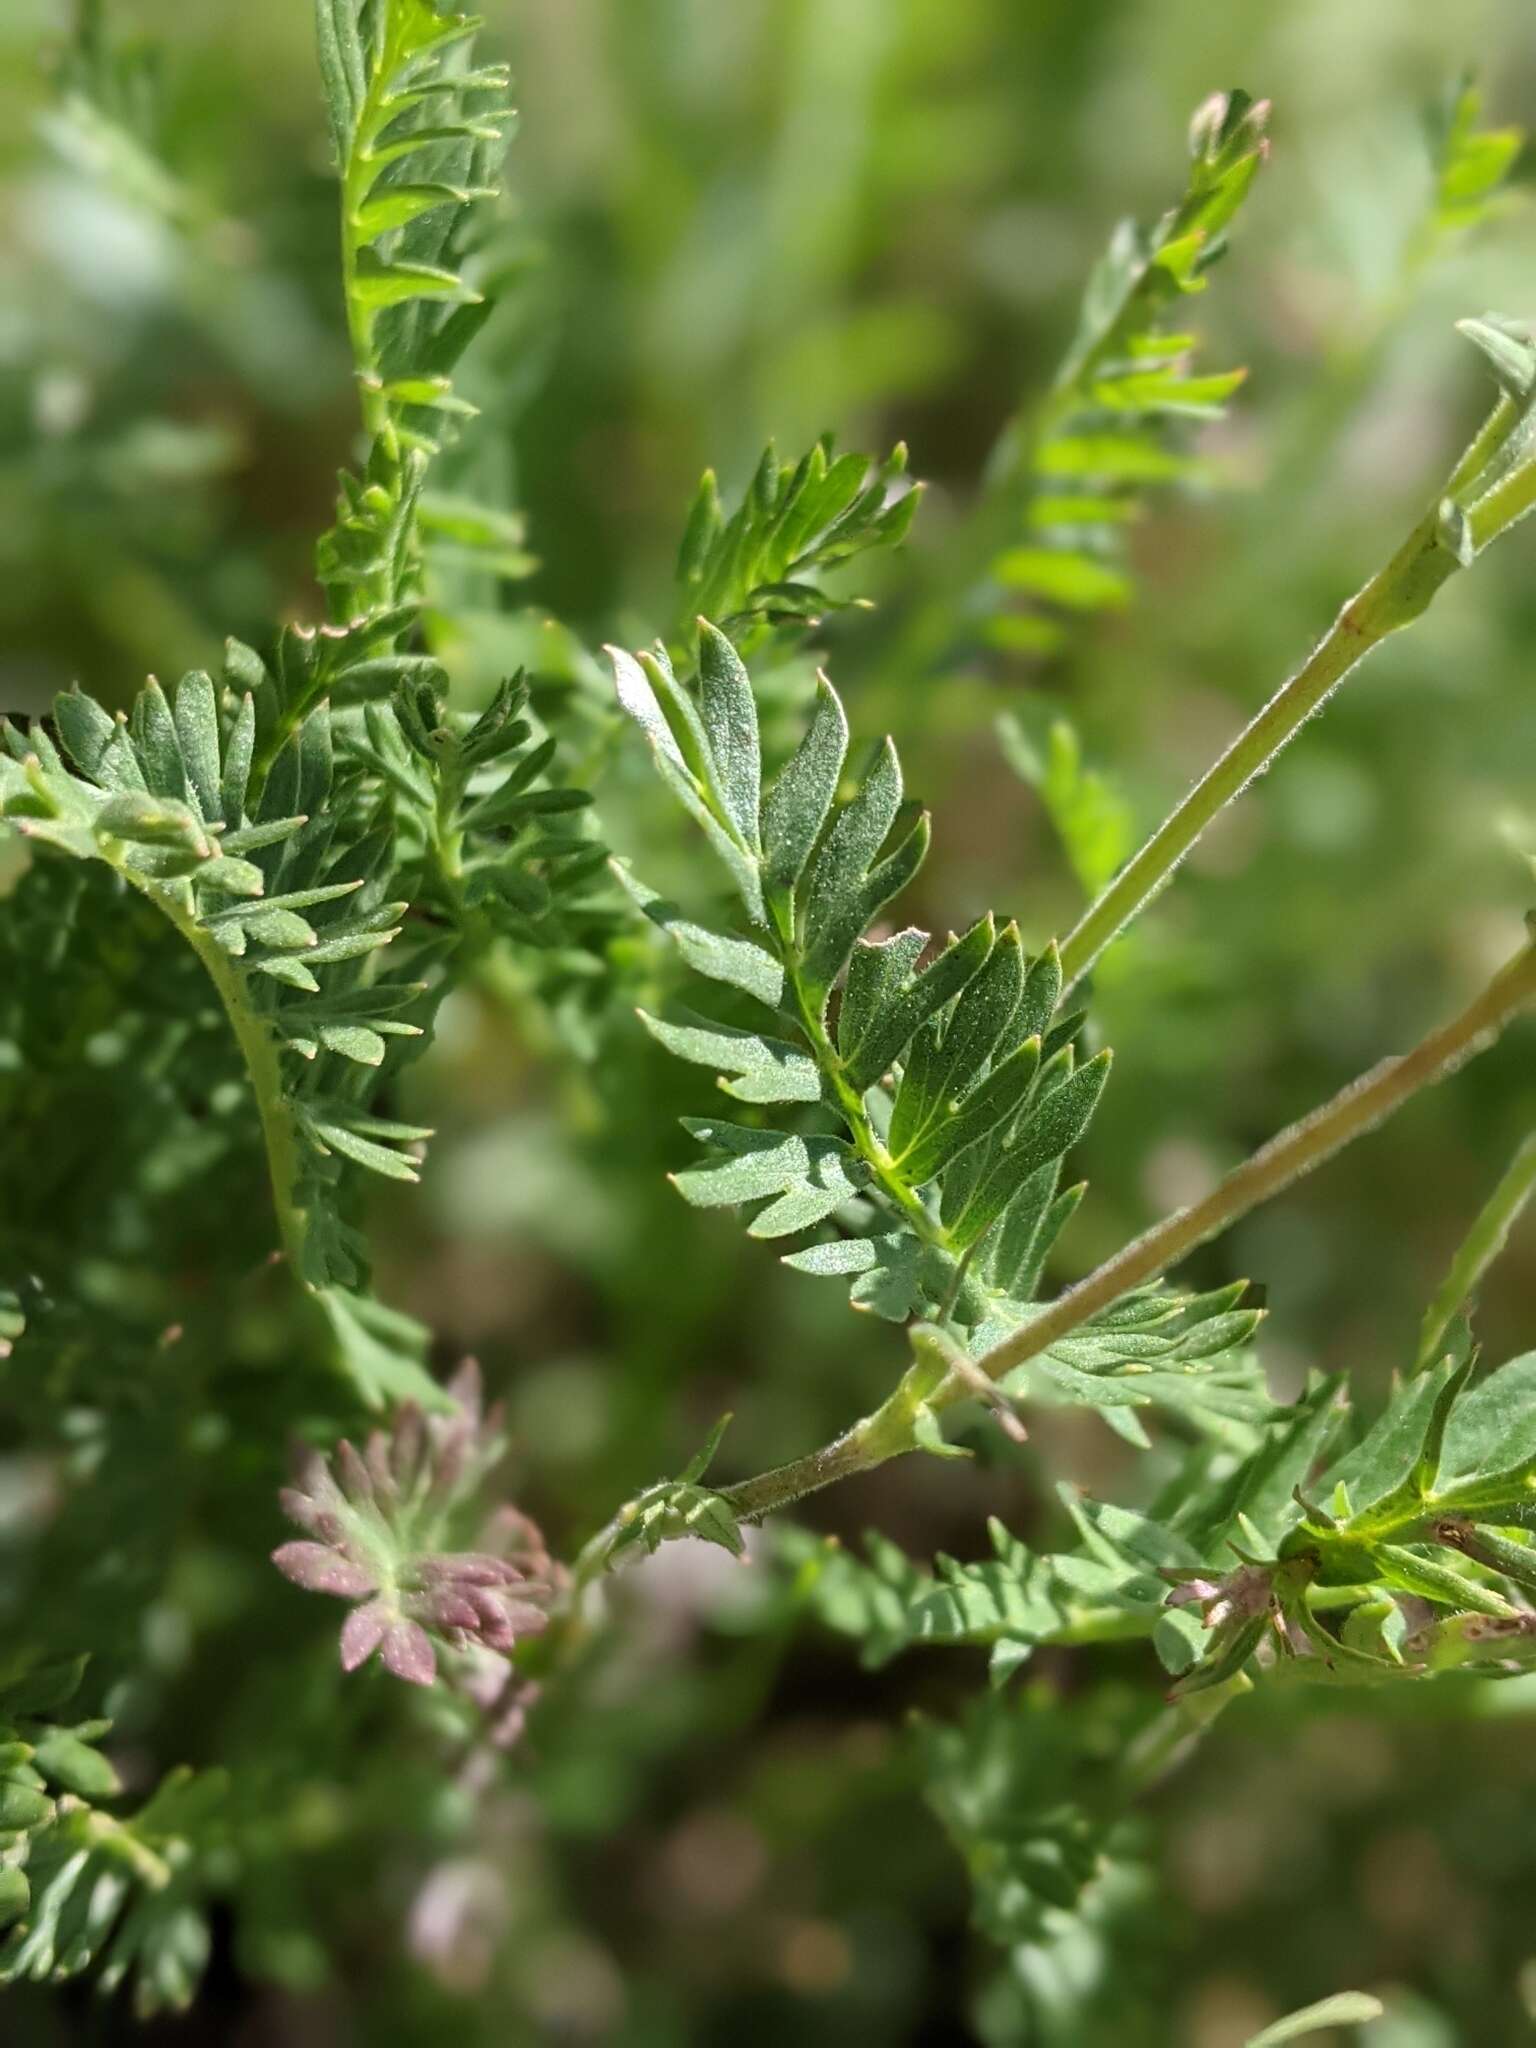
x=419, y=130
x=1470, y=168
x=486, y=844
x=761, y=568
x=1071, y=476
x=281, y=894
x=1401, y=1557
x=82, y=1887
x=1092, y=819
x=924, y=1096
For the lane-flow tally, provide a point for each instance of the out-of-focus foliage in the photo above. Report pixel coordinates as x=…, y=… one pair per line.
x=730, y=224
x=1073, y=468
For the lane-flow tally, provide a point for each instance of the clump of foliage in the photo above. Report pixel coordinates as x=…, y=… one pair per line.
x=243, y=908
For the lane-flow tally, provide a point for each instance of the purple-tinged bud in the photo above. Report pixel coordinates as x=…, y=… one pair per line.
x=361, y=1634
x=409, y=1446
x=376, y=1455
x=447, y=1609
x=377, y=1519
x=492, y=1620
x=467, y=1389
x=407, y=1652
x=307, y=1513
x=524, y=1619
x=313, y=1478
x=1241, y=1596
x=319, y=1569
x=1193, y=1593
x=448, y=1469
x=471, y=1568
x=353, y=1474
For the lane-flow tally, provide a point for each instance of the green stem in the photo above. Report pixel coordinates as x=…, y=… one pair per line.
x=1297, y=1151
x=1165, y=1742
x=357, y=175
x=1477, y=1252
x=1502, y=506
x=1400, y=593
x=888, y=1432
x=851, y=1105
x=867, y=1141
x=446, y=844
x=104, y=1831
x=259, y=1047
x=359, y=167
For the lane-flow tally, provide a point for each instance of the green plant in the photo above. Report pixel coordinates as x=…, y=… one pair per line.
x=245, y=903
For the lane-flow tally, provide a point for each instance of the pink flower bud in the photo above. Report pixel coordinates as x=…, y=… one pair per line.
x=319, y=1569
x=361, y=1634
x=407, y=1652
x=374, y=1519
x=353, y=1474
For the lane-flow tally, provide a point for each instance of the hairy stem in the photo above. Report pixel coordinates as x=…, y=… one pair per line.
x=357, y=174
x=1477, y=1252
x=884, y=1434
x=358, y=167
x=259, y=1049
x=1297, y=1151
x=889, y=1431
x=1491, y=487
x=1400, y=593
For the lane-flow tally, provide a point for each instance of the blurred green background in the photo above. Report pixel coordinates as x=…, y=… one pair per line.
x=736, y=219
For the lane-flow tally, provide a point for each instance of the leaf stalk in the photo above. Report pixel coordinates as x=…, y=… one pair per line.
x=1397, y=595
x=1477, y=1252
